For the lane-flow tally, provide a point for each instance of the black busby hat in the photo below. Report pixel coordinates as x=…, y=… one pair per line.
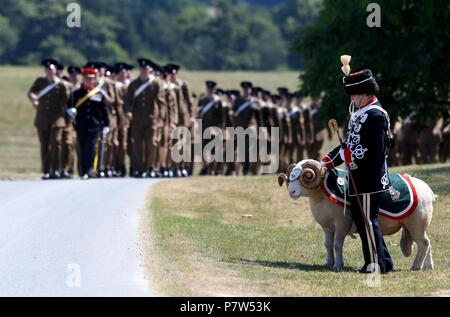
x=360, y=83
x=101, y=65
x=49, y=63
x=59, y=66
x=93, y=65
x=283, y=91
x=73, y=70
x=220, y=91
x=145, y=62
x=246, y=84
x=210, y=84
x=258, y=89
x=110, y=70
x=275, y=98
x=120, y=67
x=172, y=68
x=298, y=94
x=233, y=92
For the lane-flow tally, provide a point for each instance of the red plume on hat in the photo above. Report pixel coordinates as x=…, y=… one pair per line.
x=89, y=72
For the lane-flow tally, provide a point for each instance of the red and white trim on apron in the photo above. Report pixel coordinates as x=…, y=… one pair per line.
x=384, y=213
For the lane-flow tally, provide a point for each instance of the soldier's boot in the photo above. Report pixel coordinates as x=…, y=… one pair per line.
x=204, y=170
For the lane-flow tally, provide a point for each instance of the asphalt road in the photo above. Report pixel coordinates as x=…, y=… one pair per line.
x=72, y=238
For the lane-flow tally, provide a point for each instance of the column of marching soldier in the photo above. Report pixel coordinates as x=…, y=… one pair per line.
x=100, y=115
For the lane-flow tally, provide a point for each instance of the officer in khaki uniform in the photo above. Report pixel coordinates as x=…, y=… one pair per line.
x=49, y=97
x=143, y=102
x=123, y=124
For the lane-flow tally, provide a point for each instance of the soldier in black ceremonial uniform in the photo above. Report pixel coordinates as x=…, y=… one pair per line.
x=365, y=151
x=91, y=111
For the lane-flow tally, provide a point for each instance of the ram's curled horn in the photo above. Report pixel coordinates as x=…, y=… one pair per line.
x=312, y=174
x=345, y=60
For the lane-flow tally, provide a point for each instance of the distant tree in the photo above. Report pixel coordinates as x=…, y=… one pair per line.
x=216, y=34
x=8, y=38
x=292, y=18
x=408, y=55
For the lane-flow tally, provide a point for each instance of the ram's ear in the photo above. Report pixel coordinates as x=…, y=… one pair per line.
x=282, y=178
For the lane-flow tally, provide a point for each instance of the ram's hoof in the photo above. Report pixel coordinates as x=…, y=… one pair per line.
x=338, y=268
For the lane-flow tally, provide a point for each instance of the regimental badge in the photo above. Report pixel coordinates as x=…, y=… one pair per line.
x=295, y=174
x=395, y=194
x=341, y=181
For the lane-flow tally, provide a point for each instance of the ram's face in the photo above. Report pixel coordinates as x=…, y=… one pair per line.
x=292, y=180
x=295, y=189
x=302, y=179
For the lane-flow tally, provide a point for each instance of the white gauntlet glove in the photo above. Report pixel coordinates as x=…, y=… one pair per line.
x=72, y=112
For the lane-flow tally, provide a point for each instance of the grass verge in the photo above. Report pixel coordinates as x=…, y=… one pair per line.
x=244, y=237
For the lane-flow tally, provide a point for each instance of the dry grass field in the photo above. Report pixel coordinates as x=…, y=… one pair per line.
x=244, y=237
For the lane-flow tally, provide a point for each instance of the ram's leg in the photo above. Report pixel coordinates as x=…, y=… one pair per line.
x=423, y=247
x=428, y=263
x=329, y=242
x=338, y=247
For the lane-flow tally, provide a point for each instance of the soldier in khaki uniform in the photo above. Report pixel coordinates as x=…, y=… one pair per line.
x=285, y=127
x=319, y=131
x=112, y=141
x=228, y=168
x=49, y=97
x=170, y=117
x=120, y=90
x=210, y=112
x=295, y=112
x=219, y=167
x=184, y=104
x=106, y=83
x=188, y=113
x=246, y=115
x=276, y=120
x=309, y=130
x=69, y=134
x=266, y=117
x=143, y=102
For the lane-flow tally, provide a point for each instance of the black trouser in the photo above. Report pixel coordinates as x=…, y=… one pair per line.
x=87, y=140
x=370, y=206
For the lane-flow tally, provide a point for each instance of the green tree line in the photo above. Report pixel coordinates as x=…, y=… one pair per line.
x=210, y=35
